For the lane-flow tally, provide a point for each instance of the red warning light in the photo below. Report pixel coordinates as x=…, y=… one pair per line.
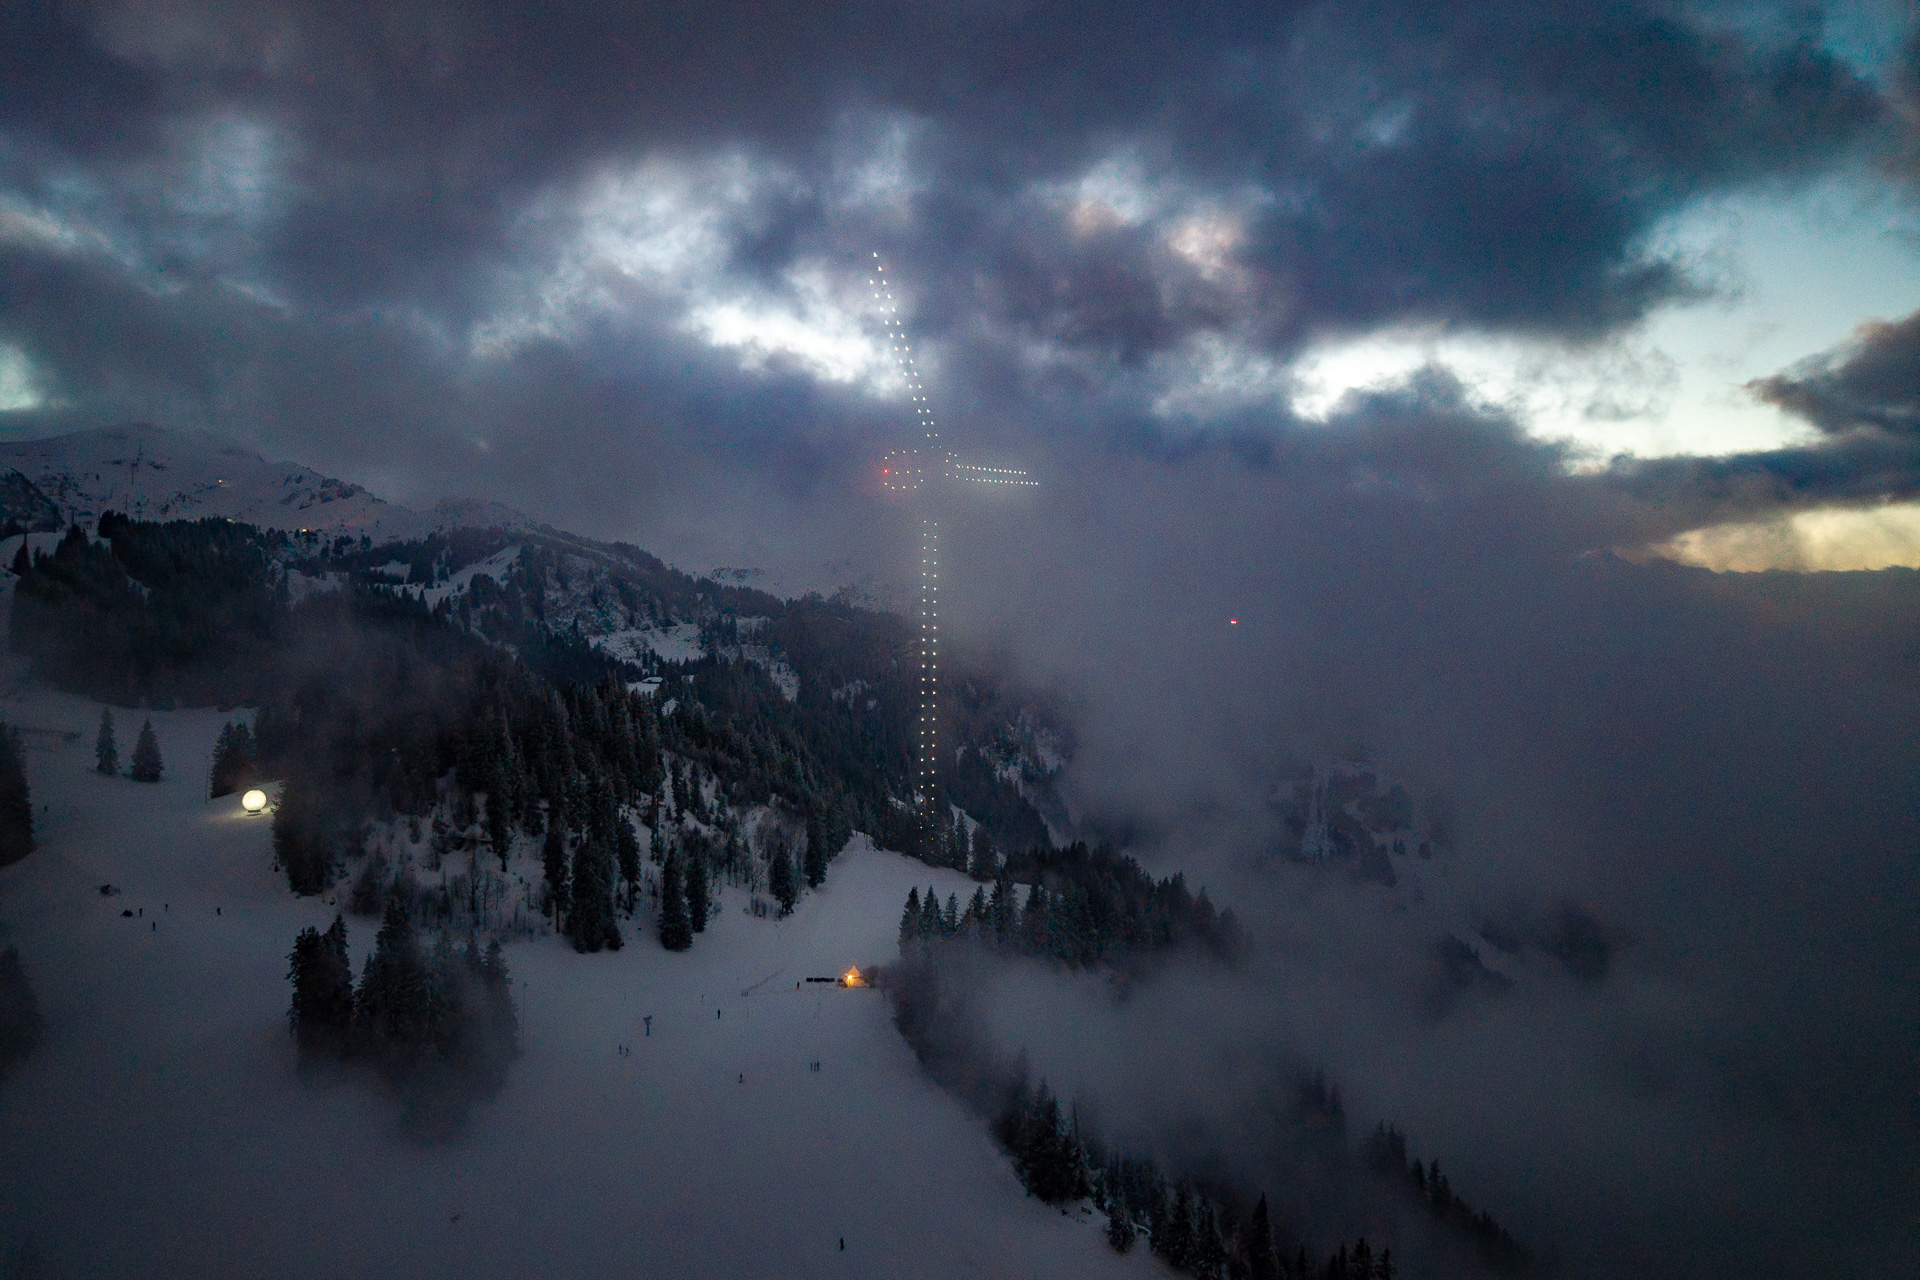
x=1233, y=622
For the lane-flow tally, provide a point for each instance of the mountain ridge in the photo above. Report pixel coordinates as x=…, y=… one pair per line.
x=149, y=472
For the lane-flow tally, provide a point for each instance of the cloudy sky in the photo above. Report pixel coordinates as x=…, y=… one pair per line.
x=611, y=269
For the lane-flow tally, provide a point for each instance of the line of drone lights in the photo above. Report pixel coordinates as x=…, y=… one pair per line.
x=901, y=473
x=907, y=478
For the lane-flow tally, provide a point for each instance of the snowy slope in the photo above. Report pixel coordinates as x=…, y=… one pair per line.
x=162, y=1130
x=494, y=566
x=680, y=642
x=673, y=642
x=155, y=474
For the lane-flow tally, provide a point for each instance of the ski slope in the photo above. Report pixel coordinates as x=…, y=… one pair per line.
x=161, y=1128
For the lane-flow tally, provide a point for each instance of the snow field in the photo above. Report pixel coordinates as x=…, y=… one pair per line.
x=494, y=566
x=161, y=1128
x=679, y=642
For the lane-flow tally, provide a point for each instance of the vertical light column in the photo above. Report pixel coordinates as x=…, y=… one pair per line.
x=927, y=755
x=907, y=476
x=929, y=762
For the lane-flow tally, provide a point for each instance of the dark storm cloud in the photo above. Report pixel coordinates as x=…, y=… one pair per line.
x=1858, y=468
x=1872, y=382
x=284, y=222
x=1487, y=166
x=63, y=88
x=1863, y=398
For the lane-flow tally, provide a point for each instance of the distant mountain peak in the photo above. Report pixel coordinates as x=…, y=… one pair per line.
x=155, y=473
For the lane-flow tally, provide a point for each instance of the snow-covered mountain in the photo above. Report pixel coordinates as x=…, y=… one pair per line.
x=152, y=473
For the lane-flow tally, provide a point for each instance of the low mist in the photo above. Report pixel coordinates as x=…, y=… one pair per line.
x=1710, y=780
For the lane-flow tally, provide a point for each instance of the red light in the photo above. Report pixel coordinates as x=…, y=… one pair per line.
x=1233, y=622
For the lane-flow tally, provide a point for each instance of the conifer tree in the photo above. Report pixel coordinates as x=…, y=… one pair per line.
x=627, y=847
x=446, y=1003
x=780, y=880
x=321, y=1016
x=16, y=802
x=20, y=1020
x=1119, y=1229
x=676, y=932
x=217, y=783
x=106, y=753
x=1209, y=1252
x=1173, y=1234
x=980, y=862
x=22, y=566
x=1000, y=910
x=929, y=926
x=499, y=828
x=816, y=856
x=553, y=858
x=392, y=1005
x=301, y=838
x=232, y=761
x=910, y=920
x=1261, y=1262
x=503, y=1018
x=146, y=765
x=1050, y=1158
x=1033, y=919
x=591, y=921
x=975, y=917
x=698, y=890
